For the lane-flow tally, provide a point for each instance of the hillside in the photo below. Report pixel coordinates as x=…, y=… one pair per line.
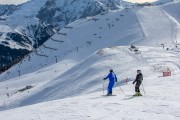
x=123, y=27
x=34, y=22
x=161, y=100
x=155, y=104
x=65, y=73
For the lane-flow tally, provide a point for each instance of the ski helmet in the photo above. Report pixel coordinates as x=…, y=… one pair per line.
x=111, y=70
x=138, y=71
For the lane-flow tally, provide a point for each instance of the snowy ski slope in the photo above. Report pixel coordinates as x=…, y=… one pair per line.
x=155, y=105
x=161, y=100
x=71, y=65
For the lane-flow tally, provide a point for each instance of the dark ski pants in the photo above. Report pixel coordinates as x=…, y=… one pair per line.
x=137, y=86
x=110, y=86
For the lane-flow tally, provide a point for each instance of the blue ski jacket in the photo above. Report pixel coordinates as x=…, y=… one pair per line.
x=112, y=77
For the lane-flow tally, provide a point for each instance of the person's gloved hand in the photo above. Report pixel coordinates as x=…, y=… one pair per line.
x=133, y=82
x=104, y=78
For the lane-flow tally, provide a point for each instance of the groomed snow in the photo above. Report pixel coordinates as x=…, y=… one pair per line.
x=86, y=77
x=160, y=102
x=72, y=87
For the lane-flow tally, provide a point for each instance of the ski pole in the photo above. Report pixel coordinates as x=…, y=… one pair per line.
x=121, y=89
x=143, y=88
x=103, y=86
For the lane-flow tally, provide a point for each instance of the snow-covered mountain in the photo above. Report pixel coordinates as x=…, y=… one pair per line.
x=14, y=2
x=29, y=25
x=36, y=21
x=115, y=26
x=74, y=61
x=6, y=10
x=161, y=1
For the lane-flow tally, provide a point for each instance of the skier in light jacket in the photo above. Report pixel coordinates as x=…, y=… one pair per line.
x=112, y=79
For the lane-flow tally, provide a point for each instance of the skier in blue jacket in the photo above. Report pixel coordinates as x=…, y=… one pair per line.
x=112, y=78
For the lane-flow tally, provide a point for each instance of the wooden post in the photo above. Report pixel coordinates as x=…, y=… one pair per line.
x=109, y=25
x=7, y=92
x=56, y=58
x=126, y=80
x=77, y=49
x=19, y=72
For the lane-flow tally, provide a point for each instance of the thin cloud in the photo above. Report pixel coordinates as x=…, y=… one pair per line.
x=12, y=1
x=140, y=1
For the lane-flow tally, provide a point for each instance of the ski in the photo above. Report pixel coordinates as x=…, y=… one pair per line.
x=136, y=96
x=108, y=95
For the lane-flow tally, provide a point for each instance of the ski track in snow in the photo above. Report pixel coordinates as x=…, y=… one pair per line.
x=154, y=20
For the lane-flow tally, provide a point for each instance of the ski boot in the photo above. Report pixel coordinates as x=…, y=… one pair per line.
x=110, y=93
x=137, y=94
